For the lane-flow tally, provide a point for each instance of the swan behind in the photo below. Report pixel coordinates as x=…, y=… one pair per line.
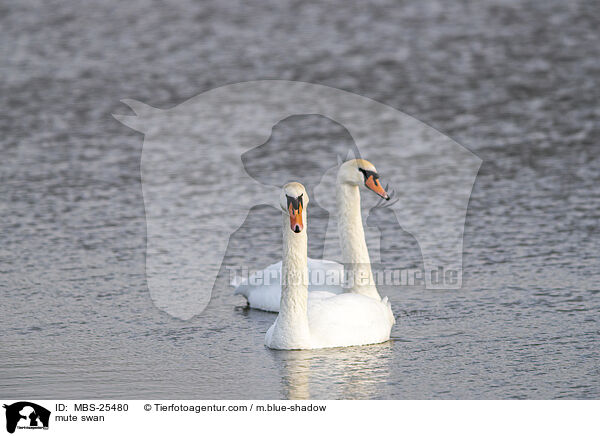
x=262, y=290
x=334, y=321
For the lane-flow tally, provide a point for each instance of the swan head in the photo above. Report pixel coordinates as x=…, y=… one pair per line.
x=361, y=172
x=293, y=202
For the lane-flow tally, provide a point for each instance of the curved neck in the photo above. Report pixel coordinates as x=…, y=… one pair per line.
x=355, y=254
x=292, y=320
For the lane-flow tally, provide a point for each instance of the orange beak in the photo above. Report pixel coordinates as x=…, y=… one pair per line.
x=373, y=184
x=296, y=218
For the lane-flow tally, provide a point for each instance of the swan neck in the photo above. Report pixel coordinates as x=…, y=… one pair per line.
x=293, y=314
x=355, y=254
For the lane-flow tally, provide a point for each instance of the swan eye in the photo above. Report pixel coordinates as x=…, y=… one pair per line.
x=367, y=174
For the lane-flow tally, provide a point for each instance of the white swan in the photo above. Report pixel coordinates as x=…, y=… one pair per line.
x=326, y=277
x=335, y=321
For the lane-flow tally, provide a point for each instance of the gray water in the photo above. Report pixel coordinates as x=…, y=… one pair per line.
x=514, y=81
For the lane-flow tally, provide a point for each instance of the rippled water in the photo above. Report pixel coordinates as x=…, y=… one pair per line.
x=515, y=82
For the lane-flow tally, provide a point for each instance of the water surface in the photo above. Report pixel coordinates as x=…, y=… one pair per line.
x=515, y=82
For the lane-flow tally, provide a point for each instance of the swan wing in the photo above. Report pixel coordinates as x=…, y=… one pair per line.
x=349, y=319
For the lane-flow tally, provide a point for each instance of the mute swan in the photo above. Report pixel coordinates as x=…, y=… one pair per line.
x=352, y=175
x=334, y=321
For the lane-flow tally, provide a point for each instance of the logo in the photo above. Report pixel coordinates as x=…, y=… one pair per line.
x=26, y=415
x=199, y=184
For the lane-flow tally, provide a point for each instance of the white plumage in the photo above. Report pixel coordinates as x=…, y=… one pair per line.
x=325, y=319
x=263, y=288
x=339, y=321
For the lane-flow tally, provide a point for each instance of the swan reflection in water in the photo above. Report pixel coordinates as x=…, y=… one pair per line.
x=353, y=373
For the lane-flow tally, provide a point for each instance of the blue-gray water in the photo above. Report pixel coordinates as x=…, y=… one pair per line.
x=514, y=81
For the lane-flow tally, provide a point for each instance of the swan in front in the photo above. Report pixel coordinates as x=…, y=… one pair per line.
x=334, y=321
x=352, y=175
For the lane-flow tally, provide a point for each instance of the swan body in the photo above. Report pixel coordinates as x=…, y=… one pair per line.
x=324, y=320
x=351, y=176
x=336, y=321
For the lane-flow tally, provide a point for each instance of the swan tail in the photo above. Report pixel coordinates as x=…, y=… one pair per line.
x=242, y=290
x=387, y=303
